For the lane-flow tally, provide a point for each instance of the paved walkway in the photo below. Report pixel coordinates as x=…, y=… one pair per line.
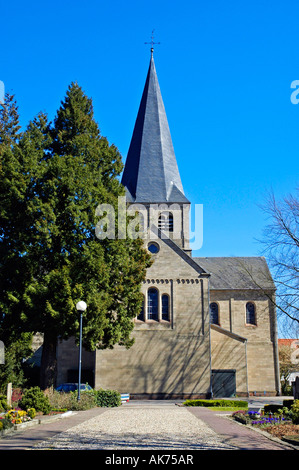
x=141, y=426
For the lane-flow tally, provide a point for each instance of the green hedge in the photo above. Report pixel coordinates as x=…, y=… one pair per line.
x=3, y=403
x=220, y=403
x=107, y=398
x=295, y=412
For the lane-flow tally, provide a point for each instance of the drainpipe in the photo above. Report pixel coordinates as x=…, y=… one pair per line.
x=275, y=350
x=246, y=368
x=210, y=347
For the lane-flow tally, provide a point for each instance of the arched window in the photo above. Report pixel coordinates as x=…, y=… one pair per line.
x=165, y=221
x=152, y=304
x=141, y=314
x=214, y=313
x=250, y=314
x=165, y=307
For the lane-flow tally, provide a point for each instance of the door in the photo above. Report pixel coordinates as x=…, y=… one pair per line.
x=224, y=383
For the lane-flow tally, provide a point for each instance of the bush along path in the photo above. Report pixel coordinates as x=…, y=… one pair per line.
x=35, y=406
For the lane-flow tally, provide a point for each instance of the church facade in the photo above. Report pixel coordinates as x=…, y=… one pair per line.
x=207, y=327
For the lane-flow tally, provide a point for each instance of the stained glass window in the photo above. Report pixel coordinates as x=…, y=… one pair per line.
x=165, y=307
x=214, y=313
x=152, y=304
x=250, y=313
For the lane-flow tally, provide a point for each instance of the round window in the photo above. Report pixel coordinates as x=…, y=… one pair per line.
x=153, y=248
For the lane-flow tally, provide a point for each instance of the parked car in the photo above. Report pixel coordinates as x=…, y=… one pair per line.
x=71, y=387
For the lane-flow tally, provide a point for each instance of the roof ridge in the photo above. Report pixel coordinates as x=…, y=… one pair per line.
x=157, y=87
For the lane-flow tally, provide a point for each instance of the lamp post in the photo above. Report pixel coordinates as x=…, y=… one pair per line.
x=81, y=307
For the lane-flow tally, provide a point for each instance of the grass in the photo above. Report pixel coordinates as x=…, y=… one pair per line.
x=226, y=408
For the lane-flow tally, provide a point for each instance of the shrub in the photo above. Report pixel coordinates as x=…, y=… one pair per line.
x=59, y=400
x=86, y=402
x=107, y=398
x=219, y=403
x=3, y=403
x=31, y=413
x=35, y=398
x=5, y=423
x=295, y=412
x=63, y=401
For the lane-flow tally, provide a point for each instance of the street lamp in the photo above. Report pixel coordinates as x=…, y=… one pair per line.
x=81, y=307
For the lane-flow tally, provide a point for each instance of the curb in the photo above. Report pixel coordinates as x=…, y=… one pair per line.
x=49, y=419
x=289, y=440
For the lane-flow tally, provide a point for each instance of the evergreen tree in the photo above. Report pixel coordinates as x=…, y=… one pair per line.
x=14, y=368
x=65, y=171
x=12, y=222
x=13, y=266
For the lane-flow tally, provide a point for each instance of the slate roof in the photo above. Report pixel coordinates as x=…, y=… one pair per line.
x=237, y=272
x=151, y=172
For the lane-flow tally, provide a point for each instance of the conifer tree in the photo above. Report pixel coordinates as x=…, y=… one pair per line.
x=12, y=197
x=67, y=169
x=13, y=268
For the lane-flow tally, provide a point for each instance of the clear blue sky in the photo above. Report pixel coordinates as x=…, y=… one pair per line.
x=225, y=70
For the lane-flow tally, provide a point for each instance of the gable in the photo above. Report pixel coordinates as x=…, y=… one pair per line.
x=171, y=261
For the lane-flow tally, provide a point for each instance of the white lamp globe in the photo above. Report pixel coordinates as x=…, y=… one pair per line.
x=81, y=306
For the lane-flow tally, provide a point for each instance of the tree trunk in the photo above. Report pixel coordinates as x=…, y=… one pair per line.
x=48, y=370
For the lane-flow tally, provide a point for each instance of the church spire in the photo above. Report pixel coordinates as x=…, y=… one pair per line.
x=151, y=173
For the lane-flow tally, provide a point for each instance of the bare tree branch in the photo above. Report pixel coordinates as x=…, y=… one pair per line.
x=281, y=249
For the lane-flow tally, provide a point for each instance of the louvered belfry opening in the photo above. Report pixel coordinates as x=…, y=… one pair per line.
x=165, y=221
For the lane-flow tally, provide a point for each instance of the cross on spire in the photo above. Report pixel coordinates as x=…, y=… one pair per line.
x=152, y=42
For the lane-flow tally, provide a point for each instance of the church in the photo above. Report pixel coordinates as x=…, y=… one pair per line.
x=207, y=327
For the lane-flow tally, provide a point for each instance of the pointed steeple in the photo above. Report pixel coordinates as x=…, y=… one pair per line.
x=151, y=172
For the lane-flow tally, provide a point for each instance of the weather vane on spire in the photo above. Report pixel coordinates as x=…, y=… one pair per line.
x=152, y=42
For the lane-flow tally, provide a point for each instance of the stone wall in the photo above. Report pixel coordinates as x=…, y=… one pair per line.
x=261, y=340
x=174, y=357
x=168, y=359
x=68, y=363
x=228, y=352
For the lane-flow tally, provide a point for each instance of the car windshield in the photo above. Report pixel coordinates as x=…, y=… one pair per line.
x=72, y=387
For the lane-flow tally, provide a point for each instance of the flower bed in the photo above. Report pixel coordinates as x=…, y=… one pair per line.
x=283, y=424
x=14, y=417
